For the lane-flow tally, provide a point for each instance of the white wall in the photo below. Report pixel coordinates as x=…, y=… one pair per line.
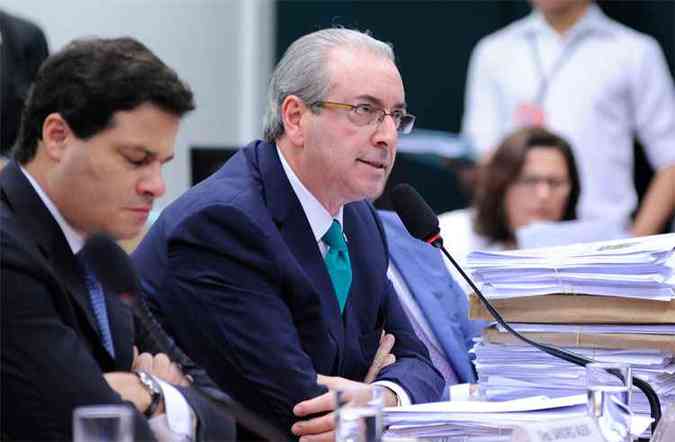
x=222, y=48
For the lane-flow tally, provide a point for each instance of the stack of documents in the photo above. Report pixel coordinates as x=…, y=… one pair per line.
x=514, y=371
x=509, y=369
x=484, y=421
x=611, y=301
x=640, y=268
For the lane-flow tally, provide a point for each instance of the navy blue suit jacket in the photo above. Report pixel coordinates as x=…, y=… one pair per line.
x=52, y=357
x=236, y=274
x=440, y=298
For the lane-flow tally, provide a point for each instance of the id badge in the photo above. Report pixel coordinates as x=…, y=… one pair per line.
x=529, y=115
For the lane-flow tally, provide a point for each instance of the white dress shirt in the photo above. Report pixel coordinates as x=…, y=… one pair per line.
x=177, y=424
x=605, y=82
x=320, y=221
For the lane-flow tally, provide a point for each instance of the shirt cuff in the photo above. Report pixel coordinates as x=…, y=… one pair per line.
x=401, y=395
x=179, y=414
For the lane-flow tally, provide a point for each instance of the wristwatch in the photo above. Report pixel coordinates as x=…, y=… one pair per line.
x=155, y=390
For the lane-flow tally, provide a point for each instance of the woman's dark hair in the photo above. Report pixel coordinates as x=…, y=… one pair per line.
x=91, y=79
x=504, y=168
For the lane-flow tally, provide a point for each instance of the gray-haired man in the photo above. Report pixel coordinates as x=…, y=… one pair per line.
x=280, y=255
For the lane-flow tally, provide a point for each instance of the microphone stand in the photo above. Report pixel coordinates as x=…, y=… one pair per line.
x=652, y=397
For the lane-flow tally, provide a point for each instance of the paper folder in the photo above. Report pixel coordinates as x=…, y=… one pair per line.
x=613, y=341
x=577, y=309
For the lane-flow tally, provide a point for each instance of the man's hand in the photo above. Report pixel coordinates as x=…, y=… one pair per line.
x=130, y=388
x=322, y=428
x=354, y=389
x=382, y=358
x=160, y=366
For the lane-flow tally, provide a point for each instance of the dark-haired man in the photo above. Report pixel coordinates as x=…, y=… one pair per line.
x=99, y=123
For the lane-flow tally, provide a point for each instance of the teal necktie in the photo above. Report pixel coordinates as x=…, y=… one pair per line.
x=337, y=263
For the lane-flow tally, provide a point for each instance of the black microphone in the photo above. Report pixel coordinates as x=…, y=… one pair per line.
x=115, y=271
x=422, y=223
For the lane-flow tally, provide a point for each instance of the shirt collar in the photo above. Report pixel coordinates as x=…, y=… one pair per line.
x=319, y=218
x=74, y=238
x=594, y=20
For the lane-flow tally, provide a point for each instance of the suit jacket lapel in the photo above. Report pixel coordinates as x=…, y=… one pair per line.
x=362, y=265
x=294, y=228
x=428, y=280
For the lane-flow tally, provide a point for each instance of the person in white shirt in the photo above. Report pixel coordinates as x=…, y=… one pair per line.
x=599, y=84
x=532, y=176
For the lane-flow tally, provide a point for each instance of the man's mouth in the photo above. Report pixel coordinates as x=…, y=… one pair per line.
x=375, y=164
x=141, y=209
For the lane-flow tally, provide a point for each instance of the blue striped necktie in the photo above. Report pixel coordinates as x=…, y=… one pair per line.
x=337, y=263
x=97, y=298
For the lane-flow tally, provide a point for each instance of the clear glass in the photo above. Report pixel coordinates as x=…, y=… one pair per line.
x=358, y=414
x=609, y=387
x=103, y=423
x=666, y=426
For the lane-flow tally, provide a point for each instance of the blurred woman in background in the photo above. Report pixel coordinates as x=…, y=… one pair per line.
x=531, y=177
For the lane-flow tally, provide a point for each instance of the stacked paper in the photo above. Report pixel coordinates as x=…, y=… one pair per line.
x=508, y=369
x=507, y=372
x=484, y=421
x=611, y=301
x=632, y=268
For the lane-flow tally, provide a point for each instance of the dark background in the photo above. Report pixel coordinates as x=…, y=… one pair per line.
x=433, y=41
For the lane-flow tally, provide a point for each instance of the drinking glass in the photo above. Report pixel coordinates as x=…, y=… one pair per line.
x=666, y=426
x=103, y=423
x=609, y=388
x=358, y=414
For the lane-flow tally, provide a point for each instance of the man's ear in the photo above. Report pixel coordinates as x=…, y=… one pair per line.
x=55, y=134
x=293, y=109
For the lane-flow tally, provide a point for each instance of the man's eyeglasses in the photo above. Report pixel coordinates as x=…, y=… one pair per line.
x=531, y=182
x=365, y=114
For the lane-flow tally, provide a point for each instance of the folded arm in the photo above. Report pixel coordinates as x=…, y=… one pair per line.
x=47, y=368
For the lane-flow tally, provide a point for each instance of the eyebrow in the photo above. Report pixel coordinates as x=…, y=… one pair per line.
x=375, y=100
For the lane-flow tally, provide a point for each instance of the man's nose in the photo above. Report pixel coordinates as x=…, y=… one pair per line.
x=386, y=133
x=153, y=184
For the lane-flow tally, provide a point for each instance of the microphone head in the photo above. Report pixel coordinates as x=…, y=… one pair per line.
x=111, y=263
x=415, y=213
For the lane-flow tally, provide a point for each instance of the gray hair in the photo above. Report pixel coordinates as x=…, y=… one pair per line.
x=302, y=71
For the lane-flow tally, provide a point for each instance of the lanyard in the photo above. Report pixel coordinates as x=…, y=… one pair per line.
x=545, y=80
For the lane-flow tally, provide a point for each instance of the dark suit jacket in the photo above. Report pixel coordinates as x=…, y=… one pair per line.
x=439, y=297
x=22, y=50
x=52, y=356
x=236, y=272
